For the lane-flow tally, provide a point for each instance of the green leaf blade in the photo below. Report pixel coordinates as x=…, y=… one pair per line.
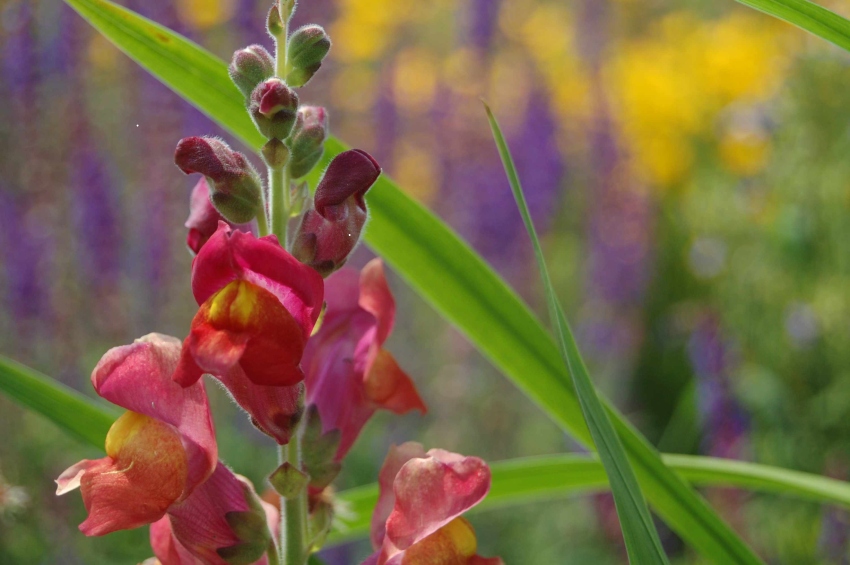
x=642, y=542
x=808, y=16
x=67, y=408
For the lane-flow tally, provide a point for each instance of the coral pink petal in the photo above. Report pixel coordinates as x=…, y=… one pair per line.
x=389, y=387
x=199, y=523
x=342, y=291
x=376, y=298
x=273, y=409
x=168, y=550
x=138, y=377
x=117, y=500
x=431, y=492
x=70, y=477
x=397, y=456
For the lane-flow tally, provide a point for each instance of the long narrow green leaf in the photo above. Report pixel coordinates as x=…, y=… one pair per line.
x=440, y=266
x=808, y=16
x=66, y=407
x=639, y=533
x=519, y=481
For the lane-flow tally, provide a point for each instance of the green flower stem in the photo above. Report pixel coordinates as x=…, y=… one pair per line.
x=279, y=202
x=262, y=221
x=293, y=529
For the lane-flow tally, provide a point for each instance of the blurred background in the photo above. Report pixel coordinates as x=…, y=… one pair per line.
x=686, y=162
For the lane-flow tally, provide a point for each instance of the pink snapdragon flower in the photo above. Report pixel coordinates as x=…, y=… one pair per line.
x=158, y=453
x=418, y=515
x=348, y=373
x=258, y=306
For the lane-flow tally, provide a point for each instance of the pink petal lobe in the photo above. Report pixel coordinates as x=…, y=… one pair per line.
x=431, y=492
x=389, y=387
x=70, y=477
x=348, y=375
x=200, y=523
x=376, y=298
x=397, y=456
x=168, y=550
x=274, y=410
x=138, y=377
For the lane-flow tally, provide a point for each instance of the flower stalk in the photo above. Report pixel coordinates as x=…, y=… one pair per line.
x=293, y=531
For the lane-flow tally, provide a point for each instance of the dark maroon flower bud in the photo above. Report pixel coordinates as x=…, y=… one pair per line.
x=203, y=218
x=273, y=106
x=251, y=66
x=329, y=231
x=308, y=45
x=235, y=186
x=307, y=142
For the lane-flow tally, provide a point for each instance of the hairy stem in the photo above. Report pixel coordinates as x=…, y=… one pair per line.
x=293, y=531
x=262, y=220
x=279, y=203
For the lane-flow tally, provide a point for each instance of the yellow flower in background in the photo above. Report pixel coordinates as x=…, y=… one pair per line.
x=417, y=170
x=671, y=86
x=415, y=73
x=204, y=14
x=547, y=33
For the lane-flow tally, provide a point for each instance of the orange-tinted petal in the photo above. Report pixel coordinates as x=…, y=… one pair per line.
x=143, y=475
x=388, y=386
x=246, y=324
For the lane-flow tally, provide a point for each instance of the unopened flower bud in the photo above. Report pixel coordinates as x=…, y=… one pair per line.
x=307, y=47
x=203, y=217
x=275, y=154
x=273, y=106
x=235, y=186
x=329, y=231
x=274, y=23
x=251, y=66
x=307, y=141
x=298, y=197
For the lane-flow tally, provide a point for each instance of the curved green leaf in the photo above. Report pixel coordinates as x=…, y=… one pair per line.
x=519, y=481
x=639, y=533
x=808, y=16
x=66, y=407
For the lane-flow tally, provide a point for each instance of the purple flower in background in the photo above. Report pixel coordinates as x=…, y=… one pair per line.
x=726, y=423
x=20, y=61
x=483, y=15
x=96, y=219
x=24, y=248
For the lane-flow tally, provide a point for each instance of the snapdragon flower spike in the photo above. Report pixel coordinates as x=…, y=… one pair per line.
x=330, y=231
x=348, y=373
x=158, y=453
x=417, y=518
x=224, y=522
x=204, y=218
x=258, y=306
x=235, y=186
